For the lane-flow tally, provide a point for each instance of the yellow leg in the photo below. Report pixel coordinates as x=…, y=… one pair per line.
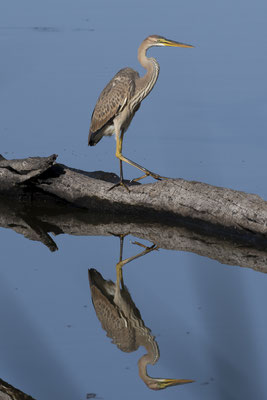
x=146, y=171
x=119, y=140
x=139, y=178
x=121, y=263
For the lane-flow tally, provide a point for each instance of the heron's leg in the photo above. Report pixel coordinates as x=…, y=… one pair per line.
x=134, y=164
x=119, y=139
x=146, y=171
x=141, y=177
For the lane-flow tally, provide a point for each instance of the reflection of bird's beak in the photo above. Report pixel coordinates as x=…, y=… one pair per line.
x=172, y=43
x=164, y=383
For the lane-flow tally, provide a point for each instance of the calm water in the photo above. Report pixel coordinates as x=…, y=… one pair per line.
x=205, y=120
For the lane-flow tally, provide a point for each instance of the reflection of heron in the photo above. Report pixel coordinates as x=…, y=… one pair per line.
x=122, y=97
x=123, y=323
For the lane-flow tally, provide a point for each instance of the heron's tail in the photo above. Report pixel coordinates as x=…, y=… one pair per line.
x=94, y=137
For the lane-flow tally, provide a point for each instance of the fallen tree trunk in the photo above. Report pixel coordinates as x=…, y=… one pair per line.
x=8, y=392
x=173, y=199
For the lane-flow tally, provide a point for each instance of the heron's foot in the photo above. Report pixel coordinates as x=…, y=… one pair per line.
x=119, y=235
x=149, y=173
x=120, y=183
x=147, y=248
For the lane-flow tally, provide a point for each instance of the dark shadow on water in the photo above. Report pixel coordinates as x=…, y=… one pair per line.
x=36, y=216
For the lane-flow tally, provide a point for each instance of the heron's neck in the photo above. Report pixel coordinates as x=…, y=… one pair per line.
x=151, y=357
x=145, y=84
x=142, y=365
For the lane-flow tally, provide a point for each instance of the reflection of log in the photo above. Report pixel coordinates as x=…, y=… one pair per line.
x=8, y=392
x=171, y=199
x=227, y=246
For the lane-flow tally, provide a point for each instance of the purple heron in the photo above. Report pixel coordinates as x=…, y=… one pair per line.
x=121, y=98
x=122, y=321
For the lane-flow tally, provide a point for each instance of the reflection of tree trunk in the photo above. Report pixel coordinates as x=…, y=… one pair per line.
x=8, y=392
x=227, y=245
x=171, y=199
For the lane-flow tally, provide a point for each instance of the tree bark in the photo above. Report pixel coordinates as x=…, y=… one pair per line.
x=201, y=208
x=8, y=392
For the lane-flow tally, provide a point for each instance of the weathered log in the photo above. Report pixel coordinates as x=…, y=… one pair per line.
x=18, y=171
x=8, y=392
x=195, y=203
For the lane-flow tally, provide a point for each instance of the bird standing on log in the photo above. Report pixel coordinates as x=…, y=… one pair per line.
x=121, y=98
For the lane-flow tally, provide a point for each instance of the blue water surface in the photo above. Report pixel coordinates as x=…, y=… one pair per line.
x=205, y=120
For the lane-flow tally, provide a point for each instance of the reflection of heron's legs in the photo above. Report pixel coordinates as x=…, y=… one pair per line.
x=121, y=263
x=122, y=236
x=146, y=247
x=121, y=245
x=121, y=252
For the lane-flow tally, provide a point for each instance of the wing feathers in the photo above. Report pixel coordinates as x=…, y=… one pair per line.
x=113, y=98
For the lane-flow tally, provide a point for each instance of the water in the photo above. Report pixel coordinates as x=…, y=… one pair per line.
x=205, y=120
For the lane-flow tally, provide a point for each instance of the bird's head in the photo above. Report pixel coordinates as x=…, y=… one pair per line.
x=156, y=383
x=160, y=383
x=155, y=40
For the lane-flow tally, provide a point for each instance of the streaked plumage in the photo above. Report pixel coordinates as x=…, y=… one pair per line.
x=122, y=321
x=121, y=98
x=111, y=102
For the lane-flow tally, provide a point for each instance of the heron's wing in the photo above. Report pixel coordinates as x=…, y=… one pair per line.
x=116, y=325
x=113, y=320
x=113, y=98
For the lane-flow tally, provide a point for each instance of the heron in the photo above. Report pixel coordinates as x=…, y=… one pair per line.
x=122, y=97
x=122, y=321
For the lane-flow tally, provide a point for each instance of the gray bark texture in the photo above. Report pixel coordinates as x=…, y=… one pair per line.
x=171, y=198
x=8, y=392
x=222, y=224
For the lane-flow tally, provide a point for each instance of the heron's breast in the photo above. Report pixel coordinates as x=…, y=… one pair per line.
x=109, y=130
x=125, y=118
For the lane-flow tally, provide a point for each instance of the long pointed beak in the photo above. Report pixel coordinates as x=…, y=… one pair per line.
x=172, y=43
x=164, y=383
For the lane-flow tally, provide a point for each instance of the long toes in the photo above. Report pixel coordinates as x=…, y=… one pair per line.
x=158, y=177
x=120, y=183
x=140, y=244
x=148, y=173
x=148, y=248
x=139, y=178
x=123, y=184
